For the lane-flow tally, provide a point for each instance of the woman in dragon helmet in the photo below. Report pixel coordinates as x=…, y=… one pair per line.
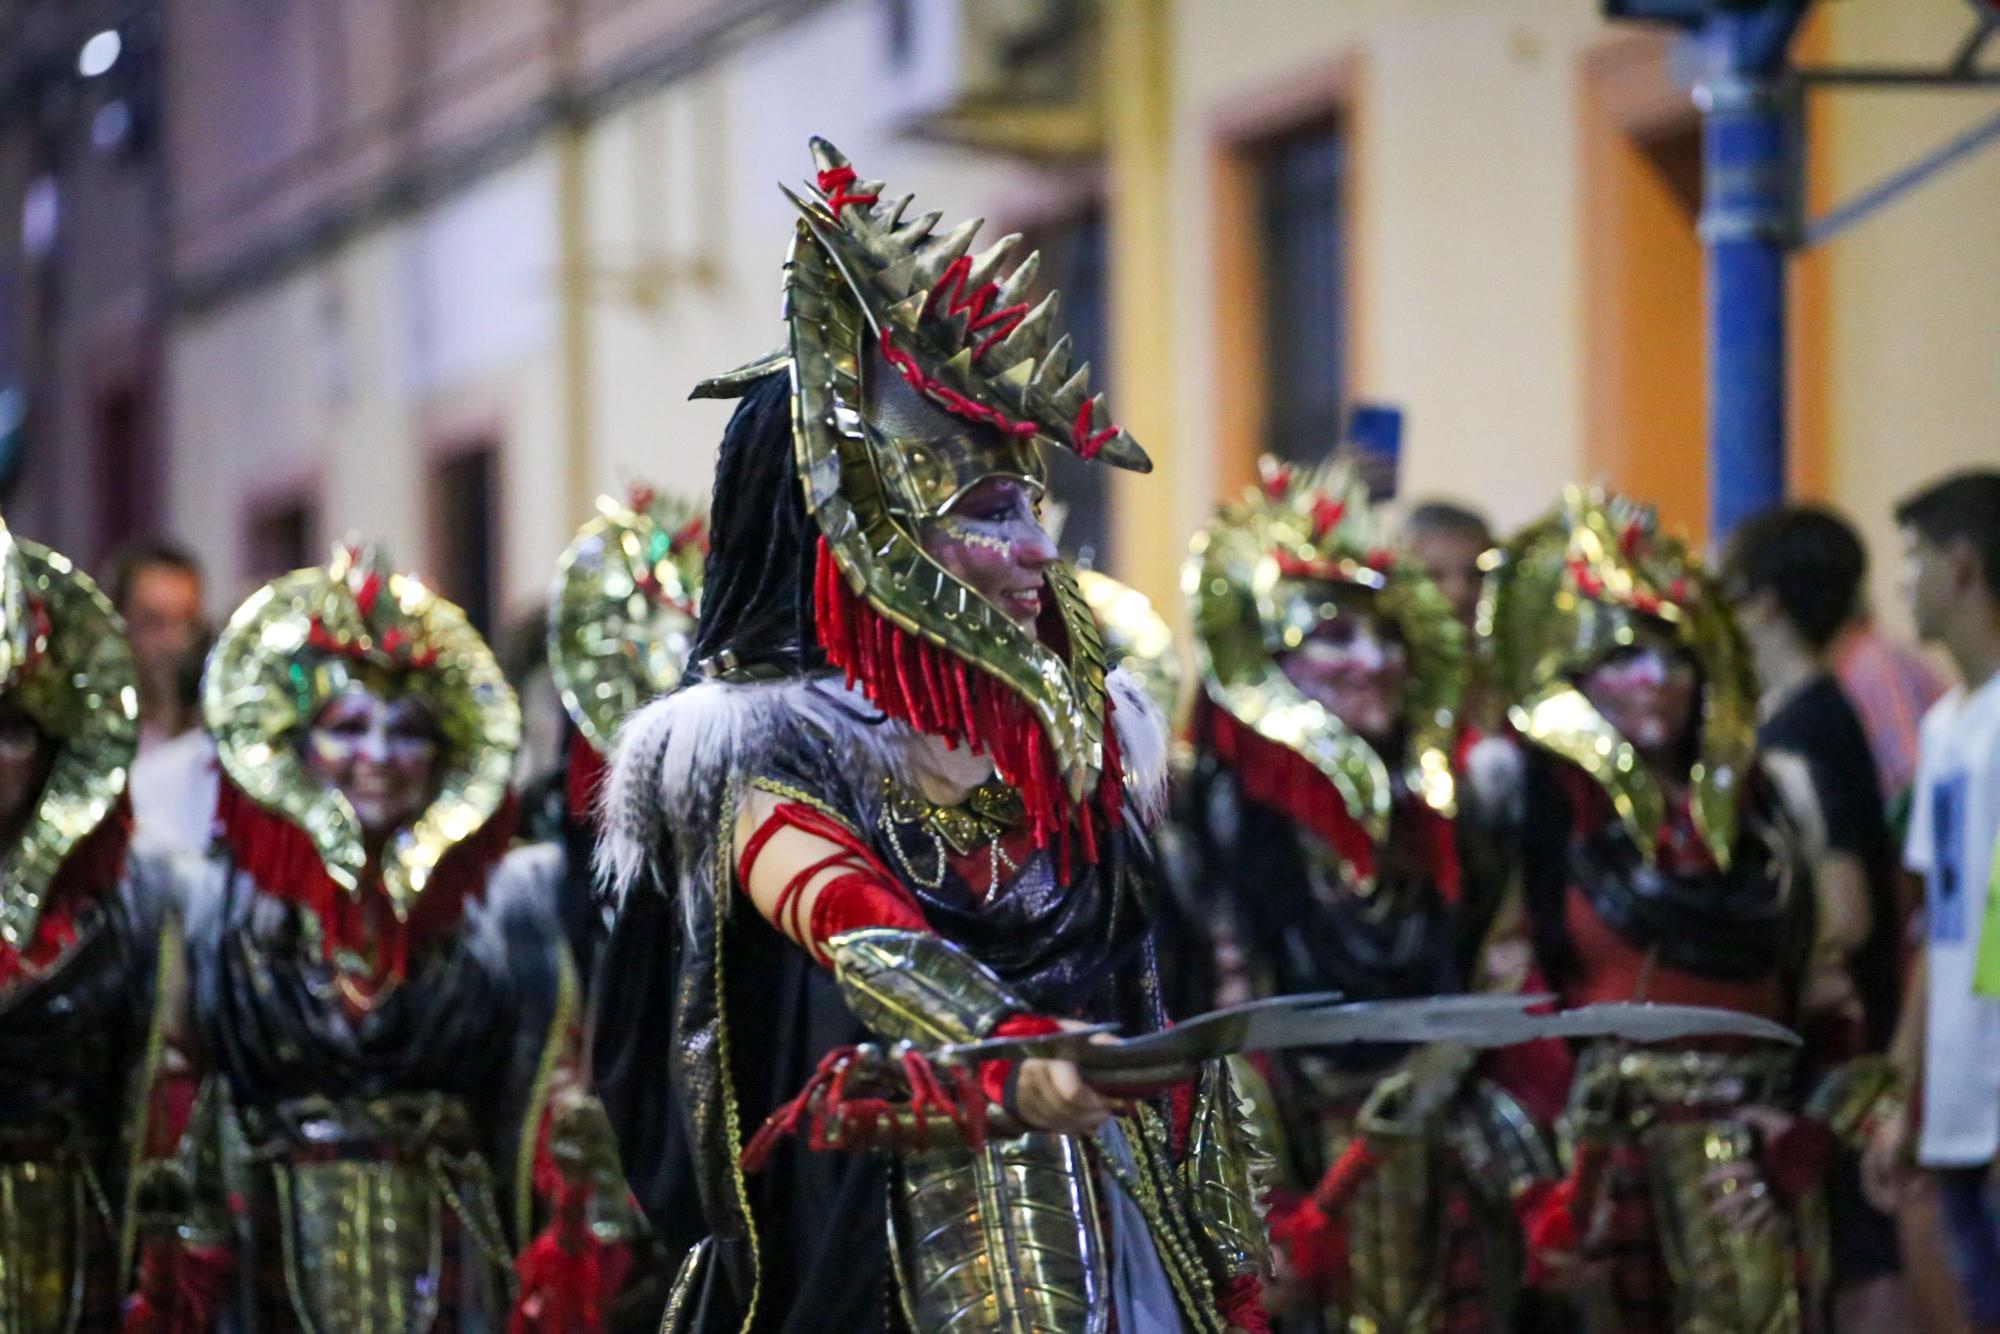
x=1322, y=806
x=902, y=799
x=1661, y=859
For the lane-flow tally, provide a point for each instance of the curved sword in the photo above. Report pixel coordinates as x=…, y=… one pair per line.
x=1323, y=1019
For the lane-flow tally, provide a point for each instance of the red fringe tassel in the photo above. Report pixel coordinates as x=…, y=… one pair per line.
x=283, y=862
x=1281, y=778
x=939, y=694
x=568, y=1276
x=181, y=1287
x=1313, y=1245
x=583, y=779
x=1240, y=1303
x=827, y=1110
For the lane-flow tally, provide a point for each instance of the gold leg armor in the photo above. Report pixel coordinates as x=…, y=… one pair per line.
x=1394, y=1243
x=1007, y=1238
x=373, y=1240
x=1672, y=1107
x=1727, y=1279
x=44, y=1210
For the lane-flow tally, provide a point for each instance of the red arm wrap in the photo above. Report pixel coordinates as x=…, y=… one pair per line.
x=864, y=894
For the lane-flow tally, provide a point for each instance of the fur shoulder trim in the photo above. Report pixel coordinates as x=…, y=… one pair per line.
x=1142, y=745
x=674, y=758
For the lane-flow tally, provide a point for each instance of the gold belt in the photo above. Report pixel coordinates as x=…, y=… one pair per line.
x=393, y=1126
x=1638, y=1086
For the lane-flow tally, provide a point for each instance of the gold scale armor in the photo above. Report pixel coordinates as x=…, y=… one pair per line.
x=1010, y=1236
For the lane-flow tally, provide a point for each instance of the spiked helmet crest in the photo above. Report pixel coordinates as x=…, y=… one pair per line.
x=873, y=297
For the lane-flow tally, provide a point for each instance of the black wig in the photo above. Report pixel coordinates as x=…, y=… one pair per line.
x=757, y=585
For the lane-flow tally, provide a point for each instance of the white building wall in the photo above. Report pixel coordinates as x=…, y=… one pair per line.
x=1467, y=297
x=354, y=372
x=690, y=177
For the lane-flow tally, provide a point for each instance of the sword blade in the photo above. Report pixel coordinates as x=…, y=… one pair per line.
x=1323, y=1020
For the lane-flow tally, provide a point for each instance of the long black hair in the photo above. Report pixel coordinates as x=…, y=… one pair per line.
x=757, y=585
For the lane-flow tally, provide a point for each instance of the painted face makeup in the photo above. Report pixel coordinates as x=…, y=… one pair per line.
x=1648, y=692
x=1355, y=666
x=993, y=541
x=380, y=753
x=25, y=757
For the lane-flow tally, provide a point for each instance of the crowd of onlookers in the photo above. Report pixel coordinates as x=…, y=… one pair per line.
x=1902, y=767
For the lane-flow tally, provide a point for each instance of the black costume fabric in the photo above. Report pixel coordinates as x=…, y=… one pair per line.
x=73, y=1041
x=818, y=1260
x=1743, y=924
x=440, y=1080
x=1272, y=882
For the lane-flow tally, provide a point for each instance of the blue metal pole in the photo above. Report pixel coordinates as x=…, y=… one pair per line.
x=1746, y=223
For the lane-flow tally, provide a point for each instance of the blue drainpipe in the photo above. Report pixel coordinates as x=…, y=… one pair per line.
x=1748, y=219
x=1748, y=213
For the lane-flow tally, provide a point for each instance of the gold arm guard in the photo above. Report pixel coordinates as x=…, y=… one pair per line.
x=1225, y=1170
x=1857, y=1095
x=910, y=986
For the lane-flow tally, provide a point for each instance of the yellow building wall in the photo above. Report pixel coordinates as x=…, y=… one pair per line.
x=1914, y=336
x=1469, y=276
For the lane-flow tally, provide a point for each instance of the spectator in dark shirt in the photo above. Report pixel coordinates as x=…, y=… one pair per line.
x=1794, y=575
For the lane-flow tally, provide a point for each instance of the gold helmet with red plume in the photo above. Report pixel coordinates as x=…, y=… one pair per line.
x=882, y=306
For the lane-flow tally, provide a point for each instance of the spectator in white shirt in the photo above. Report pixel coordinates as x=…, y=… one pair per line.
x=1949, y=1039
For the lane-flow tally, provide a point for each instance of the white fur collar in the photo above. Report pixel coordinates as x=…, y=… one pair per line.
x=677, y=753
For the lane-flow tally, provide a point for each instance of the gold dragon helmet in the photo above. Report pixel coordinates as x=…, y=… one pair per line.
x=882, y=306
x=309, y=635
x=64, y=659
x=1577, y=585
x=1258, y=581
x=622, y=608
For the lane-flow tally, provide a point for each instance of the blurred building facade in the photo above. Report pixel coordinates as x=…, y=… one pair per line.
x=440, y=272
x=83, y=299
